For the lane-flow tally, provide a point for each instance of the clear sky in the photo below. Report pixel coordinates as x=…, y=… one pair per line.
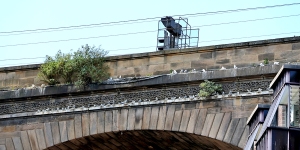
x=36, y=14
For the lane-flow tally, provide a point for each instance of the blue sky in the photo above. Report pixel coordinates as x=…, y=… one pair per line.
x=35, y=14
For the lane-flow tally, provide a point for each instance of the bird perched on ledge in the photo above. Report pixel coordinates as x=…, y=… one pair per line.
x=235, y=67
x=174, y=72
x=223, y=68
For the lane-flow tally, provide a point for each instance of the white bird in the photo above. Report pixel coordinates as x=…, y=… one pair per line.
x=181, y=71
x=185, y=71
x=124, y=102
x=259, y=90
x=120, y=77
x=203, y=70
x=235, y=67
x=43, y=85
x=156, y=99
x=276, y=63
x=194, y=70
x=223, y=68
x=261, y=64
x=174, y=72
x=249, y=91
x=32, y=86
x=230, y=93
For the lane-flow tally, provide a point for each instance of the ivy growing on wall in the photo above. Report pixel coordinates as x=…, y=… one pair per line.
x=82, y=67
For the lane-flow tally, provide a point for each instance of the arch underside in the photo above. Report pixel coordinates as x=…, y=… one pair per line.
x=143, y=139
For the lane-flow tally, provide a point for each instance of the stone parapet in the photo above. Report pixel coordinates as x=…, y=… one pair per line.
x=160, y=80
x=244, y=54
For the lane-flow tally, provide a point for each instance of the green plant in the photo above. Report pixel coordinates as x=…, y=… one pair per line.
x=208, y=88
x=66, y=66
x=86, y=65
x=49, y=71
x=266, y=61
x=90, y=65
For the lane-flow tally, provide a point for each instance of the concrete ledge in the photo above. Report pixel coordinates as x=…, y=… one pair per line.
x=159, y=80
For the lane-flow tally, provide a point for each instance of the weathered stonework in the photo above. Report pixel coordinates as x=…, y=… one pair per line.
x=224, y=120
x=243, y=54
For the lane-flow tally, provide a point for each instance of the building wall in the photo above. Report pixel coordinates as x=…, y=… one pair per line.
x=210, y=57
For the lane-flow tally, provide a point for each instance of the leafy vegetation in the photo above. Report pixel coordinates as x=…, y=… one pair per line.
x=84, y=66
x=208, y=88
x=266, y=61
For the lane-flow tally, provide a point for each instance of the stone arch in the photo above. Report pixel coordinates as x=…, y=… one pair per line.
x=193, y=118
x=143, y=139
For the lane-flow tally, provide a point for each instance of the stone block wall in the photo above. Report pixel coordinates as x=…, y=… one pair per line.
x=223, y=120
x=19, y=78
x=199, y=58
x=144, y=64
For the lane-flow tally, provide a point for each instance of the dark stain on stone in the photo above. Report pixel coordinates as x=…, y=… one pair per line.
x=207, y=55
x=174, y=65
x=129, y=75
x=177, y=107
x=197, y=64
x=296, y=46
x=269, y=56
x=161, y=72
x=220, y=53
x=213, y=67
x=137, y=70
x=288, y=54
x=239, y=52
x=190, y=106
x=223, y=61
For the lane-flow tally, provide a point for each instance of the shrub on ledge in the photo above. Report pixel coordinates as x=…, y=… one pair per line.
x=84, y=66
x=208, y=88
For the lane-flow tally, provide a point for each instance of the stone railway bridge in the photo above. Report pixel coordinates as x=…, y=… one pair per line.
x=156, y=112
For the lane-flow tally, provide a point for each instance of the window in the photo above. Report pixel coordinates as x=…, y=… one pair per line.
x=294, y=76
x=294, y=106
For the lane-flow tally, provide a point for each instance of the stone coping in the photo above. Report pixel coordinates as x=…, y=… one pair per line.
x=209, y=48
x=188, y=50
x=23, y=67
x=158, y=80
